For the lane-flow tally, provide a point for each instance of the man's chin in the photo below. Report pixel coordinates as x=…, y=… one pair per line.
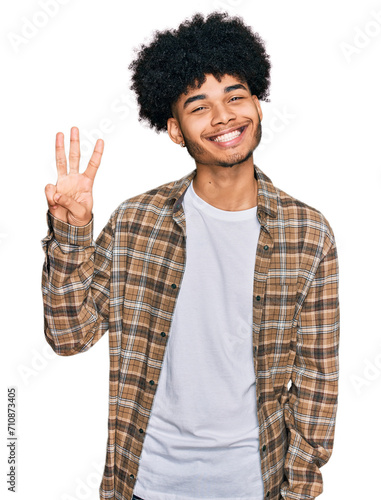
x=197, y=152
x=235, y=160
x=201, y=156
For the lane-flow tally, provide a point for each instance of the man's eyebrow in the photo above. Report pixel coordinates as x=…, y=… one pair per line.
x=199, y=97
x=234, y=87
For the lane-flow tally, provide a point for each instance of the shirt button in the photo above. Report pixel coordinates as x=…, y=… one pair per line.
x=173, y=286
x=266, y=247
x=258, y=297
x=151, y=382
x=255, y=348
x=141, y=431
x=264, y=447
x=163, y=334
x=259, y=399
x=268, y=494
x=132, y=476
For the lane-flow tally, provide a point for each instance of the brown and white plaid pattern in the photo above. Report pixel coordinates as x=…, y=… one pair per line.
x=128, y=281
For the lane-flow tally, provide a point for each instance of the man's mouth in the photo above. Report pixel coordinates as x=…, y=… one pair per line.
x=227, y=137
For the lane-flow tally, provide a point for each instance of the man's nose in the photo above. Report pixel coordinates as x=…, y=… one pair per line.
x=222, y=114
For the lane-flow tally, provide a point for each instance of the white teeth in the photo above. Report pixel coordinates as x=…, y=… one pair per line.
x=227, y=137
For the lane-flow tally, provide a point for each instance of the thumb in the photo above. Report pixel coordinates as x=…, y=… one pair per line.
x=50, y=191
x=58, y=196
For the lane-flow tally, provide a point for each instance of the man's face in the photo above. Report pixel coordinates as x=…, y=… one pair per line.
x=220, y=122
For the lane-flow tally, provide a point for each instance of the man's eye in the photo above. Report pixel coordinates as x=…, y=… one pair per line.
x=197, y=109
x=236, y=97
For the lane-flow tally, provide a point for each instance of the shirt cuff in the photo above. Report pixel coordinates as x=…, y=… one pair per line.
x=68, y=234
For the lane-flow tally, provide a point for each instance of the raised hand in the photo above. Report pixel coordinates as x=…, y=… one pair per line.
x=71, y=199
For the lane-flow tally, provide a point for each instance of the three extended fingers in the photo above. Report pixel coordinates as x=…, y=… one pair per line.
x=75, y=155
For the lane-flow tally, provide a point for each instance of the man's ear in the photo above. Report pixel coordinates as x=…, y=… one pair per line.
x=258, y=105
x=174, y=131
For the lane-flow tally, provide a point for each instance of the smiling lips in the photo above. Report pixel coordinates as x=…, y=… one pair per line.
x=229, y=138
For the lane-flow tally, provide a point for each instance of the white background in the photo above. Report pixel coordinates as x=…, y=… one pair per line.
x=321, y=142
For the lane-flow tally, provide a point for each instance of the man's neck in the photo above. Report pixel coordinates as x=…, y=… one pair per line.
x=227, y=188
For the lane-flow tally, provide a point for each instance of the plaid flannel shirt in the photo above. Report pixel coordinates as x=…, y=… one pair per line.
x=128, y=281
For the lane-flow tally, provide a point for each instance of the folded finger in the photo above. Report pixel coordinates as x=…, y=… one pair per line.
x=77, y=210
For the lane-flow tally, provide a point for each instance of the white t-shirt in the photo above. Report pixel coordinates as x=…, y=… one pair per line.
x=202, y=437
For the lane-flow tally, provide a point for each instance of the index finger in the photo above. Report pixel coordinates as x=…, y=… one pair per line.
x=60, y=155
x=95, y=160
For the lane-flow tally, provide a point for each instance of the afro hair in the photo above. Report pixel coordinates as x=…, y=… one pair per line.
x=177, y=60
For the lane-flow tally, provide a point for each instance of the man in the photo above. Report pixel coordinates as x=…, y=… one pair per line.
x=219, y=291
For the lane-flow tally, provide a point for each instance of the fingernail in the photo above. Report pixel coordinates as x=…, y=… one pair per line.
x=57, y=197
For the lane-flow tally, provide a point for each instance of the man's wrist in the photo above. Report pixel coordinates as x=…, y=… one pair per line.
x=69, y=234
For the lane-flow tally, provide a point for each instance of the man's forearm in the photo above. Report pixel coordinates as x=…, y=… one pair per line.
x=75, y=296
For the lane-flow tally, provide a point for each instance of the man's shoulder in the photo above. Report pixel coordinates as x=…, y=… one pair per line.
x=290, y=211
x=297, y=214
x=157, y=198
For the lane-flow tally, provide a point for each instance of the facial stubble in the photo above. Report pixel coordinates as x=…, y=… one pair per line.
x=196, y=151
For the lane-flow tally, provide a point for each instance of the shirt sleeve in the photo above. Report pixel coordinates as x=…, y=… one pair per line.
x=311, y=409
x=76, y=285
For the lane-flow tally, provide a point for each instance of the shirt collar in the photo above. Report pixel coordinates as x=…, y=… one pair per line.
x=267, y=193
